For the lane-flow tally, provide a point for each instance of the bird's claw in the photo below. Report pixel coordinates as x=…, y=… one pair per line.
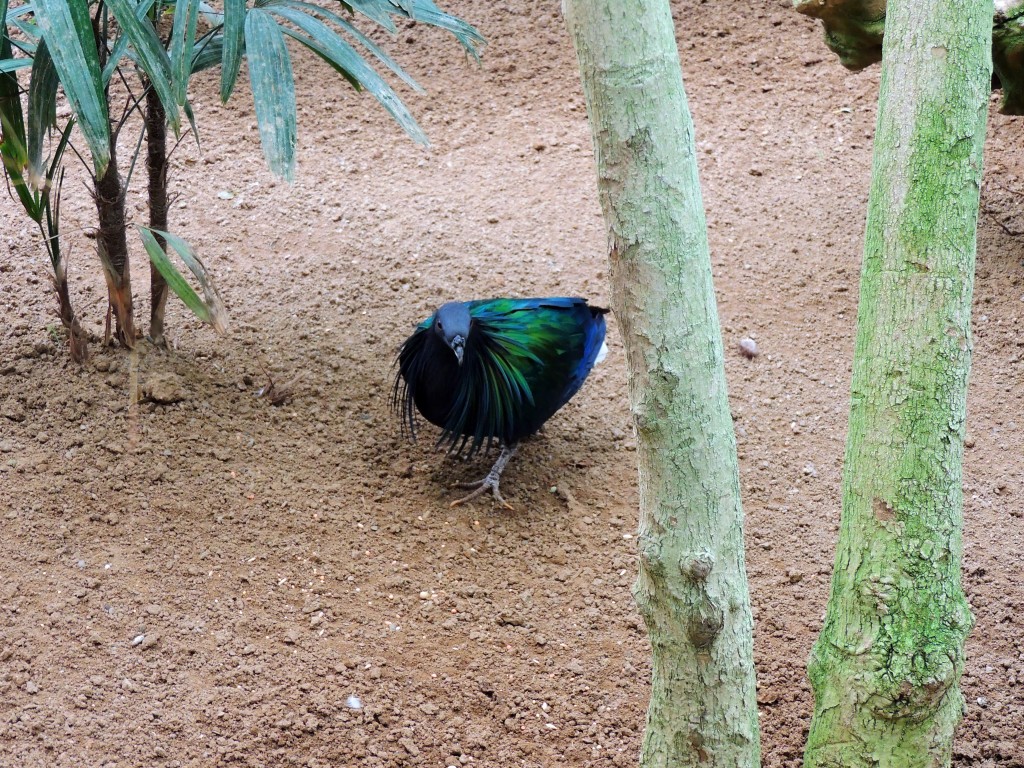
x=481, y=487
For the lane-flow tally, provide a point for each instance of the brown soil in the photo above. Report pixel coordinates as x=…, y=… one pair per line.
x=277, y=560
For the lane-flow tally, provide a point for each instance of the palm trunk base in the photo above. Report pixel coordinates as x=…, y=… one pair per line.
x=78, y=342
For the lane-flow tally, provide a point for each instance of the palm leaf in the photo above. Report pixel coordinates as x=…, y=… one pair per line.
x=348, y=28
x=67, y=28
x=15, y=13
x=344, y=57
x=208, y=53
x=12, y=65
x=121, y=45
x=183, y=38
x=211, y=310
x=50, y=198
x=28, y=27
x=150, y=54
x=234, y=45
x=379, y=12
x=15, y=160
x=10, y=96
x=427, y=12
x=42, y=109
x=420, y=10
x=213, y=17
x=273, y=90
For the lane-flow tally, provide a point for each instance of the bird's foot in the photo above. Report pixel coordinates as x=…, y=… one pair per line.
x=489, y=483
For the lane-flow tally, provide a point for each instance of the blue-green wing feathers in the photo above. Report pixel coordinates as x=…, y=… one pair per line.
x=525, y=358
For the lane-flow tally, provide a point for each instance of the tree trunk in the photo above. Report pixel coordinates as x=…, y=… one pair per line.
x=78, y=342
x=691, y=589
x=156, y=165
x=111, y=237
x=113, y=247
x=887, y=665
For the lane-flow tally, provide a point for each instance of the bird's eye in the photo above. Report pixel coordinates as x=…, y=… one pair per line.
x=440, y=326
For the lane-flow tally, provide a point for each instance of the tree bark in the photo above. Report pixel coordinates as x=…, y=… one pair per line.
x=156, y=165
x=78, y=342
x=111, y=236
x=691, y=588
x=113, y=247
x=887, y=665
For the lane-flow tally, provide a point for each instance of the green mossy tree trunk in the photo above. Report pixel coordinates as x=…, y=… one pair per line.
x=887, y=665
x=692, y=588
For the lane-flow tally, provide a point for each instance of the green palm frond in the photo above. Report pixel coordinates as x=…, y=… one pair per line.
x=257, y=33
x=210, y=309
x=66, y=26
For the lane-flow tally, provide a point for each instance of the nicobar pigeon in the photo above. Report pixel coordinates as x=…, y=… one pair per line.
x=493, y=371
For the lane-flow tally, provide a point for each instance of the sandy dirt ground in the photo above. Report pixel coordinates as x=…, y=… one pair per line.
x=210, y=581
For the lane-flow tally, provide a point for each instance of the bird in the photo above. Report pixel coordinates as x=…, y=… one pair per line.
x=493, y=371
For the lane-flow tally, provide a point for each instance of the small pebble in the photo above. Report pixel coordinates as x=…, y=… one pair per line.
x=31, y=687
x=424, y=595
x=748, y=348
x=138, y=639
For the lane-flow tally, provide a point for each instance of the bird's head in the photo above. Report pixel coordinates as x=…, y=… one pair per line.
x=451, y=324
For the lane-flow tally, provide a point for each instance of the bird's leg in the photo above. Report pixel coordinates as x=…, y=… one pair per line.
x=490, y=482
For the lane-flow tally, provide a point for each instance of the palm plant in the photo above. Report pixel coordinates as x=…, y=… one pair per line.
x=152, y=48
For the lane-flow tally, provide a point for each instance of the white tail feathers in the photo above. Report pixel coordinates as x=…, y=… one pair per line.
x=602, y=353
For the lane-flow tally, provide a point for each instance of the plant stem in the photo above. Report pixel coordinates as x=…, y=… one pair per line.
x=113, y=248
x=77, y=339
x=156, y=165
x=111, y=239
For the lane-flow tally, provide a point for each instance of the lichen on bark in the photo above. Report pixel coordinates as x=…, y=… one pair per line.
x=691, y=589
x=886, y=668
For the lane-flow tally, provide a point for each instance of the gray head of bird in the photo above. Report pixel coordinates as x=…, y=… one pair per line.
x=451, y=324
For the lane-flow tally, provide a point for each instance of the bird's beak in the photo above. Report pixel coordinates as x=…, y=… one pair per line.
x=459, y=348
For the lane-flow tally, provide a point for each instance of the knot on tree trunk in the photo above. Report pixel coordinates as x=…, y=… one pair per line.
x=706, y=622
x=698, y=567
x=915, y=695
